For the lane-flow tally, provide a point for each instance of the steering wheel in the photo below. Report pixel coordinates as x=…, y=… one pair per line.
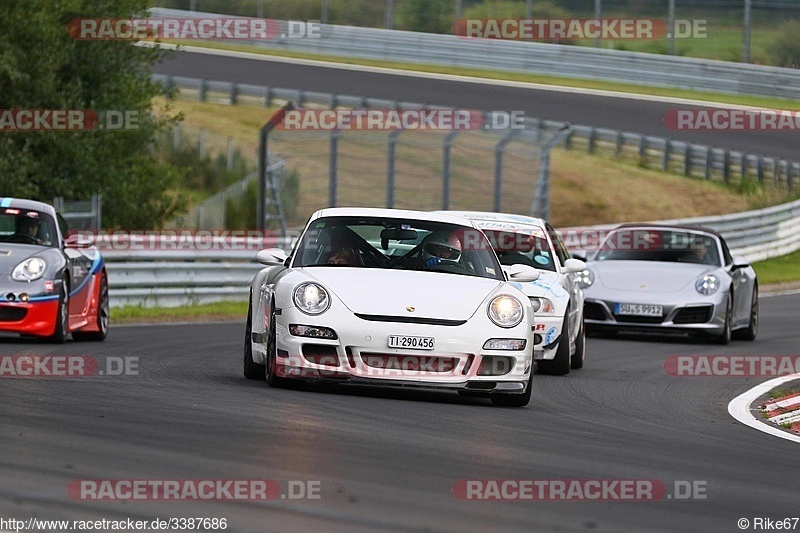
x=23, y=238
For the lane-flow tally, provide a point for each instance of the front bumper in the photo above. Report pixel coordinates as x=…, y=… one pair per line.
x=360, y=354
x=547, y=336
x=686, y=317
x=30, y=318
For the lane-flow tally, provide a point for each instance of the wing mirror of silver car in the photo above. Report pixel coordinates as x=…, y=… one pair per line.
x=520, y=273
x=271, y=257
x=739, y=263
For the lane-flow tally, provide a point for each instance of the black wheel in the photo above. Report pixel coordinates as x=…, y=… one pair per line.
x=750, y=333
x=559, y=365
x=272, y=364
x=251, y=370
x=102, y=316
x=61, y=331
x=514, y=400
x=580, y=349
x=725, y=336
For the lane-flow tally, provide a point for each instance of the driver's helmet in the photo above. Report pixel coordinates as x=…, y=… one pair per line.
x=441, y=245
x=28, y=226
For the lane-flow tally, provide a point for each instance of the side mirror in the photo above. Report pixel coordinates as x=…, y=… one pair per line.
x=521, y=273
x=271, y=257
x=76, y=240
x=739, y=263
x=573, y=266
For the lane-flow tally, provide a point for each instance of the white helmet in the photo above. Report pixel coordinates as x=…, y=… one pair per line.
x=441, y=245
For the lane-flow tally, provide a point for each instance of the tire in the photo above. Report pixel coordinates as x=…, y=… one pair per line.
x=559, y=365
x=251, y=370
x=61, y=331
x=102, y=317
x=578, y=357
x=751, y=331
x=273, y=380
x=514, y=400
x=725, y=337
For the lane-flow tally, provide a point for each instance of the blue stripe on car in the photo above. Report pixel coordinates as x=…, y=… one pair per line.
x=97, y=265
x=5, y=202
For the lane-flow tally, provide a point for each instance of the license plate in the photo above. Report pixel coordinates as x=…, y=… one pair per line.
x=412, y=343
x=638, y=309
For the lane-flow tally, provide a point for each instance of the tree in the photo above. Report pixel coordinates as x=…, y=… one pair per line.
x=429, y=16
x=43, y=67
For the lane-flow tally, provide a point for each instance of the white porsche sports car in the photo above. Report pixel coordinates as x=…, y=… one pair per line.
x=557, y=298
x=392, y=297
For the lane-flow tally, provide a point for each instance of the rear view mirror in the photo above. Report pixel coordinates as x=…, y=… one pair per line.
x=739, y=263
x=572, y=266
x=396, y=235
x=271, y=257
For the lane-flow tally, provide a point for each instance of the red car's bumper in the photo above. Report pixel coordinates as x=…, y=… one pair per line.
x=31, y=318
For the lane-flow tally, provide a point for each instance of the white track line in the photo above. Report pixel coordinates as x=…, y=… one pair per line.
x=739, y=408
x=450, y=77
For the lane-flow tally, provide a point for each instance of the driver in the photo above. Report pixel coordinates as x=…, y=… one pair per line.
x=28, y=226
x=439, y=247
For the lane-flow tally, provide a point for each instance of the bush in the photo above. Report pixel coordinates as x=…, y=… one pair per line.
x=784, y=51
x=241, y=214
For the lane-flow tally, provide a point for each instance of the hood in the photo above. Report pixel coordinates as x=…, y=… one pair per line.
x=374, y=291
x=13, y=254
x=652, y=276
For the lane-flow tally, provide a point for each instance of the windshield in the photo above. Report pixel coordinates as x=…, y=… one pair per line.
x=25, y=226
x=521, y=246
x=397, y=244
x=660, y=245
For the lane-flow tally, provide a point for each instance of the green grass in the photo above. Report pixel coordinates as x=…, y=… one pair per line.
x=780, y=393
x=515, y=76
x=191, y=313
x=783, y=269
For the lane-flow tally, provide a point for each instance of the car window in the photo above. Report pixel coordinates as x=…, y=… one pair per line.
x=647, y=244
x=27, y=226
x=387, y=243
x=559, y=247
x=520, y=246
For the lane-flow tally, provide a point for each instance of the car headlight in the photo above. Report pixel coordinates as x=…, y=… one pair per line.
x=505, y=311
x=585, y=278
x=707, y=285
x=311, y=298
x=29, y=270
x=542, y=306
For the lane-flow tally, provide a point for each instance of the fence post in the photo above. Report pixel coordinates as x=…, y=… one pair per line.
x=687, y=160
x=790, y=174
x=201, y=144
x=592, y=139
x=667, y=150
x=447, y=147
x=267, y=95
x=620, y=142
x=727, y=166
x=643, y=150
x=540, y=207
x=743, y=164
x=760, y=169
x=709, y=155
x=333, y=167
x=176, y=136
x=233, y=94
x=391, y=156
x=201, y=90
x=229, y=158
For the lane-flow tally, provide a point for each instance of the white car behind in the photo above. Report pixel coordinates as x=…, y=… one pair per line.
x=557, y=299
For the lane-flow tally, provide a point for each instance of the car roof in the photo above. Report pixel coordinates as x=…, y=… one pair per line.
x=33, y=205
x=486, y=216
x=390, y=213
x=679, y=227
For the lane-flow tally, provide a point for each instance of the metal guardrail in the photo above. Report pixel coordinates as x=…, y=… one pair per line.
x=173, y=278
x=578, y=62
x=694, y=160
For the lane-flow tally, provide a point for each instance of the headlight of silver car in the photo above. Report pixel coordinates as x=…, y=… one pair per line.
x=584, y=278
x=311, y=298
x=505, y=311
x=542, y=306
x=707, y=285
x=29, y=270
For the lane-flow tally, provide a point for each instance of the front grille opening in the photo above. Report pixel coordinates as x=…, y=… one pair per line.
x=411, y=320
x=594, y=311
x=639, y=319
x=321, y=354
x=12, y=314
x=482, y=385
x=468, y=365
x=495, y=365
x=693, y=315
x=410, y=363
x=537, y=339
x=350, y=359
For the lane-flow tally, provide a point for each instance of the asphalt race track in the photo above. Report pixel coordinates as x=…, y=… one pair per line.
x=637, y=116
x=388, y=460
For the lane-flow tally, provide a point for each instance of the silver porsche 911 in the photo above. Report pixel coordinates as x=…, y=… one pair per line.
x=676, y=279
